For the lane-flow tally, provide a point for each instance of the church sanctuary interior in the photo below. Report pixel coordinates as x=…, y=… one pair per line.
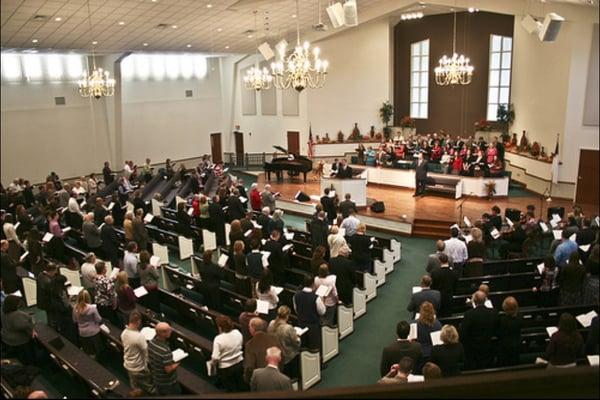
x=299, y=199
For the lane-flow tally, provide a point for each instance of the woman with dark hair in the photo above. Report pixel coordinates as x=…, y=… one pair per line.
x=265, y=291
x=548, y=287
x=211, y=275
x=509, y=333
x=118, y=211
x=242, y=280
x=590, y=289
x=126, y=299
x=571, y=279
x=149, y=280
x=184, y=221
x=17, y=332
x=318, y=259
x=228, y=356
x=566, y=344
x=24, y=221
x=34, y=246
x=235, y=233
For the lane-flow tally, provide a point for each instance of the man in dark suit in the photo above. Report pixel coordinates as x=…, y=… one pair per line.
x=347, y=205
x=276, y=258
x=443, y=279
x=420, y=175
x=361, y=246
x=319, y=231
x=344, y=171
x=335, y=167
x=236, y=209
x=254, y=262
x=256, y=348
x=242, y=190
x=426, y=294
x=328, y=206
x=402, y=347
x=476, y=330
x=309, y=309
x=263, y=220
x=217, y=220
x=343, y=268
x=110, y=241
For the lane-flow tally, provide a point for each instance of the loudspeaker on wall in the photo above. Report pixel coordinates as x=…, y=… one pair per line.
x=378, y=207
x=550, y=28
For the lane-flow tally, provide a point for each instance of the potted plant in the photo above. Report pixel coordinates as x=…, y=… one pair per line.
x=386, y=112
x=505, y=117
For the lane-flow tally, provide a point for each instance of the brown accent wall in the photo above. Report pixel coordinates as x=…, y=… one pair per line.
x=451, y=108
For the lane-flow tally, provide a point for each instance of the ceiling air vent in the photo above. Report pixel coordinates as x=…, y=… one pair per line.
x=39, y=18
x=188, y=93
x=60, y=101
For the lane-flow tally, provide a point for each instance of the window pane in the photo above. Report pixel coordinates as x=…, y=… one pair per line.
x=506, y=56
x=414, y=110
x=425, y=47
x=506, y=44
x=200, y=66
x=187, y=68
x=424, y=95
x=158, y=67
x=416, y=63
x=424, y=78
x=11, y=67
x=415, y=79
x=493, y=95
x=423, y=113
x=127, y=68
x=492, y=110
x=54, y=66
x=415, y=49
x=496, y=43
x=32, y=64
x=414, y=96
x=424, y=63
x=495, y=61
x=494, y=78
x=74, y=66
x=504, y=95
x=505, y=78
x=142, y=66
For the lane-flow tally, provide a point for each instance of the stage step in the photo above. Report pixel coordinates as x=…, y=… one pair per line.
x=434, y=229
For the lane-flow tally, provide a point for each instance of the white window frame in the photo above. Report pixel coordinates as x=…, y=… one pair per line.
x=419, y=87
x=500, y=75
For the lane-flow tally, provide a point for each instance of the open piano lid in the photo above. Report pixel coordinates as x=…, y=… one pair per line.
x=281, y=149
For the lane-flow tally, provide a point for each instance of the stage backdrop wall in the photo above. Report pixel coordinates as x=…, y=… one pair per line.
x=451, y=108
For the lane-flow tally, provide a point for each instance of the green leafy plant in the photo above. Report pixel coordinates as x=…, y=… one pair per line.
x=505, y=117
x=386, y=112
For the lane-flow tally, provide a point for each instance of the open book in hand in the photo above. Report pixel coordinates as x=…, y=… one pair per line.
x=586, y=319
x=412, y=335
x=551, y=330
x=543, y=226
x=435, y=338
x=148, y=218
x=74, y=290
x=323, y=291
x=300, y=331
x=495, y=234
x=179, y=355
x=140, y=291
x=277, y=289
x=262, y=307
x=223, y=260
x=47, y=237
x=148, y=333
x=155, y=261
x=211, y=369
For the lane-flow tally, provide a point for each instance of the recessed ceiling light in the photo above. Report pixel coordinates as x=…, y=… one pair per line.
x=95, y=42
x=34, y=41
x=226, y=47
x=58, y=19
x=188, y=45
x=154, y=1
x=121, y=22
x=209, y=5
x=174, y=26
x=219, y=29
x=293, y=15
x=249, y=36
x=145, y=44
x=471, y=9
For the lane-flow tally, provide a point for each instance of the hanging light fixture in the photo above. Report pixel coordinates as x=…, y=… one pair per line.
x=96, y=83
x=299, y=70
x=256, y=78
x=454, y=70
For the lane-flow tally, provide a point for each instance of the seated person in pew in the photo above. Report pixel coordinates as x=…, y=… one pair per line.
x=289, y=341
x=398, y=373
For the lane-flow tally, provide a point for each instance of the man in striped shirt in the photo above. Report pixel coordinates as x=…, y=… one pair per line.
x=160, y=361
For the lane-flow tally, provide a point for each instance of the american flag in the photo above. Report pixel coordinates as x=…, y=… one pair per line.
x=310, y=141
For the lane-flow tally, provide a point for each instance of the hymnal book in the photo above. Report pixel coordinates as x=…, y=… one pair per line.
x=300, y=331
x=415, y=378
x=467, y=222
x=110, y=206
x=31, y=275
x=265, y=260
x=141, y=291
x=179, y=355
x=223, y=260
x=495, y=234
x=100, y=227
x=332, y=193
x=509, y=222
x=286, y=247
x=257, y=226
x=416, y=289
x=148, y=218
x=47, y=237
x=543, y=226
x=585, y=247
x=277, y=289
x=113, y=273
x=468, y=238
x=17, y=225
x=289, y=236
x=74, y=290
x=315, y=197
x=540, y=360
x=573, y=237
x=540, y=268
x=262, y=307
x=488, y=304
x=104, y=329
x=553, y=223
x=191, y=211
x=556, y=217
x=593, y=360
x=243, y=199
x=155, y=261
x=23, y=256
x=551, y=330
x=455, y=226
x=557, y=234
x=148, y=333
x=342, y=231
x=211, y=369
x=323, y=291
x=17, y=293
x=263, y=241
x=412, y=335
x=586, y=319
x=435, y=338
x=248, y=232
x=67, y=229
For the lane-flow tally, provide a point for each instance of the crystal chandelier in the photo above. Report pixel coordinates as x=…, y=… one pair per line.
x=96, y=83
x=302, y=68
x=454, y=70
x=257, y=78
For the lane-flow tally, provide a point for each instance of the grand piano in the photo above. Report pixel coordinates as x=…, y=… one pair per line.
x=292, y=163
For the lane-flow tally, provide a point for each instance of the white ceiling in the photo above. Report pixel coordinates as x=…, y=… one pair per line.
x=218, y=29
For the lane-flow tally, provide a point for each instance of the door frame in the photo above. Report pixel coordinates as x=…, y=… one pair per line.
x=220, y=156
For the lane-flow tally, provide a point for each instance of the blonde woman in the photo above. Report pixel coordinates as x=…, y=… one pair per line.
x=336, y=242
x=426, y=324
x=128, y=226
x=288, y=339
x=450, y=355
x=126, y=299
x=88, y=322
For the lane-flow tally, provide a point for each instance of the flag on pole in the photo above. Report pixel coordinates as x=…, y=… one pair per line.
x=555, y=162
x=310, y=141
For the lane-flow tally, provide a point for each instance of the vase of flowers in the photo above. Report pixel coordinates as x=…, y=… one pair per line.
x=408, y=126
x=483, y=126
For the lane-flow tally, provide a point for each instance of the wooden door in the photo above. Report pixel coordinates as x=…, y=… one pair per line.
x=587, y=177
x=215, y=147
x=239, y=148
x=293, y=142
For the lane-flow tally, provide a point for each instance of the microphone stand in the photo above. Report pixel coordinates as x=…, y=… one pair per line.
x=460, y=208
x=542, y=198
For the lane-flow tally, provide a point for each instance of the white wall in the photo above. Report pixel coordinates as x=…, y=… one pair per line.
x=159, y=122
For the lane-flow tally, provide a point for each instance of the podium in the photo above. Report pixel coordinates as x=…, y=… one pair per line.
x=357, y=187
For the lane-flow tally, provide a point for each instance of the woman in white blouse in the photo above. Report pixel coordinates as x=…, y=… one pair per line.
x=73, y=206
x=227, y=355
x=336, y=242
x=266, y=292
x=331, y=300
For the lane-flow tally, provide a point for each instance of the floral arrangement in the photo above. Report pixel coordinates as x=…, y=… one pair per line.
x=491, y=189
x=407, y=122
x=483, y=125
